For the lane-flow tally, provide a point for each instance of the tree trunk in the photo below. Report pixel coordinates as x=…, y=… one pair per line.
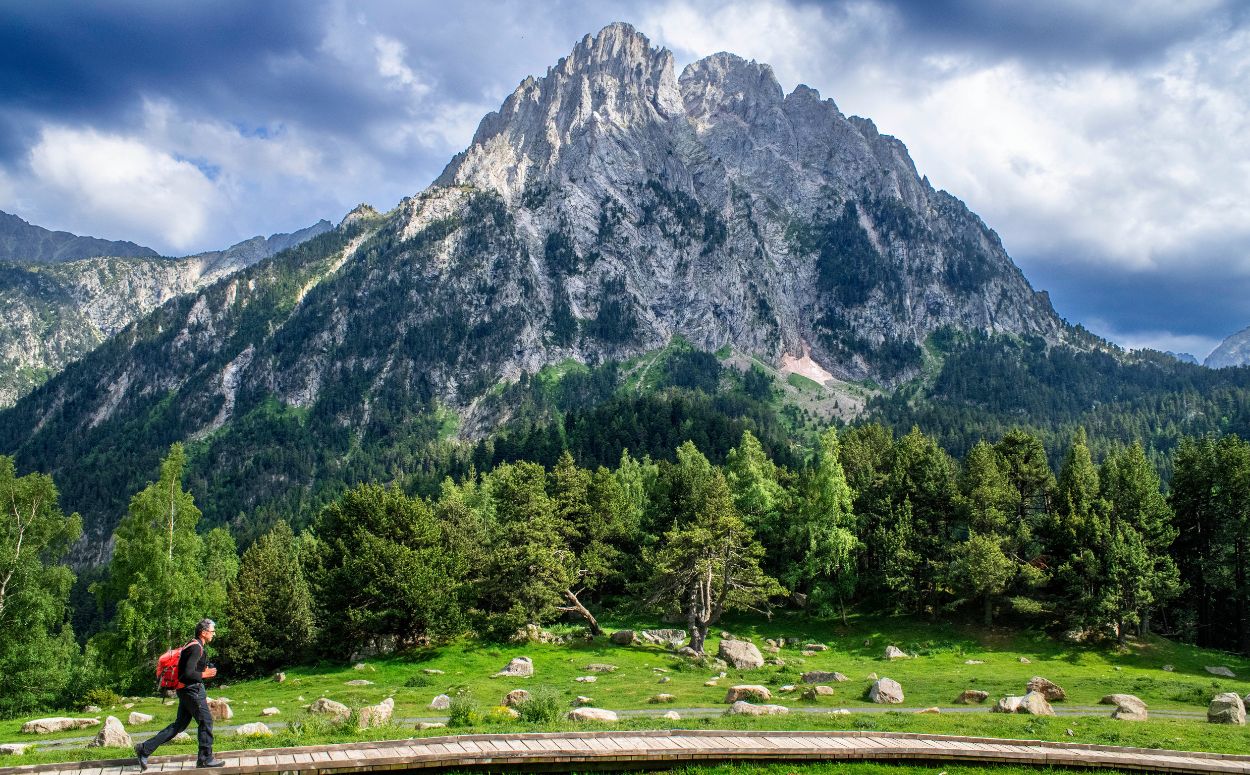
x=579, y=609
x=842, y=605
x=989, y=610
x=698, y=636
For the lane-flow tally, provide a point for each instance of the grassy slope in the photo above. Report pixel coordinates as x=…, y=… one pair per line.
x=934, y=677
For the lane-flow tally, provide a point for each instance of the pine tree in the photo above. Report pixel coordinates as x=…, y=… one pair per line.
x=821, y=540
x=986, y=563
x=1079, y=534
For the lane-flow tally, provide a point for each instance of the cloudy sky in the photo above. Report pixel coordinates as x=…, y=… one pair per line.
x=1105, y=142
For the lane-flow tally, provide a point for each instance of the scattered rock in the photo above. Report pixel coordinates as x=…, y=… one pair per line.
x=930, y=710
x=886, y=691
x=712, y=682
x=668, y=638
x=582, y=699
x=725, y=635
x=974, y=662
x=1032, y=703
x=128, y=705
x=664, y=679
x=360, y=682
x=662, y=698
x=1227, y=708
x=432, y=671
x=1008, y=704
x=812, y=692
x=441, y=702
x=894, y=652
x=424, y=725
x=1024, y=661
x=91, y=709
x=970, y=696
x=1069, y=732
x=788, y=688
x=327, y=707
x=673, y=715
x=254, y=729
x=376, y=715
x=182, y=737
x=519, y=667
x=771, y=649
x=625, y=638
x=279, y=677
x=816, y=647
x=689, y=653
x=169, y=702
x=585, y=679
x=136, y=718
x=807, y=653
x=840, y=712
x=360, y=666
x=1221, y=671
x=592, y=714
x=113, y=735
x=46, y=726
x=599, y=667
x=742, y=708
x=1053, y=692
x=1128, y=707
x=270, y=712
x=819, y=676
x=515, y=698
x=742, y=654
x=748, y=691
x=1168, y=668
x=220, y=708
x=532, y=633
x=13, y=749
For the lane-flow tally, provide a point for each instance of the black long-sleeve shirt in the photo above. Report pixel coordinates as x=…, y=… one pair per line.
x=191, y=664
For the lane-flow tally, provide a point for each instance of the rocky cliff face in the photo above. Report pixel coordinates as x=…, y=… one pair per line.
x=1233, y=351
x=606, y=208
x=21, y=242
x=54, y=313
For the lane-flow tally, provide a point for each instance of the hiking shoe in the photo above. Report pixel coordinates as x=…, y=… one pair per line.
x=211, y=763
x=143, y=758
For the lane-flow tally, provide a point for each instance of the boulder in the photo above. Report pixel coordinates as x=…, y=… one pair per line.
x=1227, y=708
x=532, y=633
x=625, y=638
x=582, y=699
x=662, y=699
x=136, y=718
x=894, y=652
x=1053, y=692
x=813, y=692
x=1221, y=671
x=742, y=708
x=585, y=679
x=424, y=725
x=361, y=666
x=1009, y=704
x=519, y=667
x=788, y=688
x=974, y=661
x=46, y=726
x=376, y=715
x=254, y=729
x=91, y=709
x=689, y=653
x=113, y=735
x=773, y=649
x=815, y=647
x=599, y=667
x=515, y=698
x=807, y=653
x=279, y=677
x=748, y=691
x=326, y=707
x=592, y=714
x=664, y=679
x=13, y=749
x=1168, y=668
x=441, y=702
x=886, y=691
x=711, y=682
x=1024, y=660
x=672, y=715
x=360, y=682
x=1127, y=707
x=930, y=710
x=970, y=696
x=819, y=676
x=432, y=671
x=1033, y=703
x=668, y=638
x=220, y=708
x=270, y=712
x=742, y=654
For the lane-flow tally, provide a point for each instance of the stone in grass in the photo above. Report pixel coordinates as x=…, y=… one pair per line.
x=672, y=715
x=886, y=691
x=432, y=671
x=519, y=667
x=46, y=726
x=582, y=699
x=974, y=661
x=930, y=710
x=585, y=679
x=664, y=679
x=1227, y=708
x=441, y=702
x=1127, y=707
x=1032, y=703
x=279, y=677
x=788, y=688
x=742, y=708
x=328, y=707
x=821, y=676
x=1053, y=692
x=361, y=666
x=220, y=708
x=748, y=692
x=254, y=729
x=136, y=718
x=661, y=699
x=625, y=638
x=515, y=698
x=113, y=735
x=1169, y=668
x=970, y=696
x=592, y=714
x=270, y=711
x=742, y=654
x=91, y=709
x=13, y=749
x=424, y=725
x=712, y=682
x=813, y=692
x=181, y=737
x=376, y=715
x=1221, y=671
x=894, y=652
x=1024, y=661
x=360, y=682
x=872, y=676
x=815, y=647
x=599, y=667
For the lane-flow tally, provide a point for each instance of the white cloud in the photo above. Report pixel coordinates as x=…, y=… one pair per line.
x=392, y=66
x=1163, y=341
x=122, y=185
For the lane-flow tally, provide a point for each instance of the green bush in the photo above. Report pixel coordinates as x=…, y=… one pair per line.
x=544, y=706
x=102, y=698
x=419, y=680
x=462, y=710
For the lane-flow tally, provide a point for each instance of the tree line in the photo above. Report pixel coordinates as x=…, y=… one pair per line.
x=869, y=520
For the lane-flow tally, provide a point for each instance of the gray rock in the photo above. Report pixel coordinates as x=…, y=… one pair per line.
x=970, y=696
x=669, y=638
x=625, y=638
x=672, y=715
x=1221, y=671
x=662, y=698
x=519, y=667
x=136, y=718
x=279, y=677
x=13, y=749
x=441, y=702
x=1051, y=691
x=113, y=735
x=432, y=671
x=894, y=652
x=1227, y=708
x=271, y=711
x=742, y=708
x=820, y=676
x=220, y=708
x=360, y=682
x=376, y=715
x=586, y=679
x=47, y=726
x=254, y=729
x=817, y=647
x=1168, y=668
x=328, y=707
x=748, y=692
x=424, y=725
x=582, y=700
x=1032, y=703
x=598, y=667
x=742, y=654
x=812, y=692
x=886, y=691
x=515, y=698
x=592, y=714
x=1128, y=707
x=91, y=709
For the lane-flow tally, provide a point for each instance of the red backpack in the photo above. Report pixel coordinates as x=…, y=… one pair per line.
x=167, y=668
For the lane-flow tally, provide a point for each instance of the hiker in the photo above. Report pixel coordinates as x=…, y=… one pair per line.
x=192, y=701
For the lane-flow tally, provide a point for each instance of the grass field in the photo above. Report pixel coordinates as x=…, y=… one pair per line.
x=935, y=675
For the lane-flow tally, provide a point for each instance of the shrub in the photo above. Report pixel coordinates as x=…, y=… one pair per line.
x=462, y=710
x=102, y=698
x=544, y=706
x=419, y=680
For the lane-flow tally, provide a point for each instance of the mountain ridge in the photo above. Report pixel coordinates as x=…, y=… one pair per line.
x=23, y=242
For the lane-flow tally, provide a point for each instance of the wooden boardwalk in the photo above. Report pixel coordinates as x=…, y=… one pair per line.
x=633, y=750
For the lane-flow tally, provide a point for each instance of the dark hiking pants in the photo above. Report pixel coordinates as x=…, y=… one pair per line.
x=192, y=704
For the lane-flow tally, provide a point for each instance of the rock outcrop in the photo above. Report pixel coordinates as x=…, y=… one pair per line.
x=742, y=654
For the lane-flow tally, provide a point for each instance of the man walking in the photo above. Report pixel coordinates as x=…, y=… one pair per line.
x=192, y=701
